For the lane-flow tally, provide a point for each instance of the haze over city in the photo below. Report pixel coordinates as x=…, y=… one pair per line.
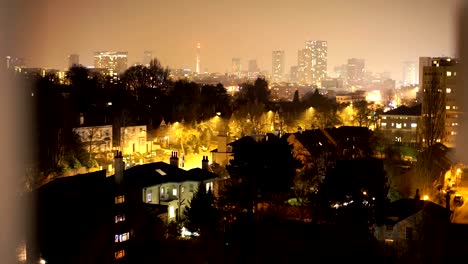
x=384, y=33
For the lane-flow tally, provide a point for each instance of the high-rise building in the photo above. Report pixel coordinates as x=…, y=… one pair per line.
x=236, y=66
x=355, y=69
x=253, y=66
x=14, y=63
x=423, y=62
x=312, y=62
x=319, y=50
x=73, y=60
x=293, y=77
x=115, y=62
x=147, y=57
x=409, y=73
x=440, y=112
x=197, y=66
x=278, y=66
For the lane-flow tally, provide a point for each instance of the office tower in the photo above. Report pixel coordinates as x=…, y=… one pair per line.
x=423, y=62
x=409, y=73
x=197, y=66
x=73, y=60
x=147, y=57
x=253, y=67
x=312, y=62
x=304, y=66
x=277, y=63
x=115, y=62
x=355, y=69
x=236, y=66
x=440, y=111
x=319, y=50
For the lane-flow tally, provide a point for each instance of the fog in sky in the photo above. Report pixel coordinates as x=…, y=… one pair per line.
x=384, y=33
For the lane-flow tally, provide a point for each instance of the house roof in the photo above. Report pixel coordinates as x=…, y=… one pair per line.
x=405, y=111
x=405, y=208
x=161, y=172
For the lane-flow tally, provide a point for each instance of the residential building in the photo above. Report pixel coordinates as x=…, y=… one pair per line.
x=402, y=124
x=223, y=154
x=133, y=139
x=147, y=57
x=355, y=70
x=441, y=114
x=96, y=139
x=236, y=67
x=277, y=72
x=312, y=62
x=115, y=62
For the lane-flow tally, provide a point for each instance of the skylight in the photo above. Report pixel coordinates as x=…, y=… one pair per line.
x=161, y=172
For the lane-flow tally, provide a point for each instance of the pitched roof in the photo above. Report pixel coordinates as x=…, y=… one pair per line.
x=405, y=111
x=405, y=208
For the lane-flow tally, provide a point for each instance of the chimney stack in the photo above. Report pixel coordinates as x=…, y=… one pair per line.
x=174, y=160
x=119, y=167
x=205, y=163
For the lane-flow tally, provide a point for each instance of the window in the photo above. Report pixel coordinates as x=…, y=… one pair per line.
x=182, y=189
x=171, y=212
x=393, y=124
x=448, y=90
x=119, y=218
x=174, y=192
x=384, y=124
x=149, y=196
x=449, y=73
x=119, y=254
x=209, y=186
x=122, y=237
x=162, y=190
x=162, y=173
x=447, y=107
x=409, y=233
x=119, y=199
x=398, y=125
x=384, y=117
x=414, y=125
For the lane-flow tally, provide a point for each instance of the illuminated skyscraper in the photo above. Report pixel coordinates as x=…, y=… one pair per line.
x=73, y=60
x=236, y=66
x=409, y=73
x=147, y=57
x=115, y=62
x=312, y=62
x=277, y=63
x=319, y=50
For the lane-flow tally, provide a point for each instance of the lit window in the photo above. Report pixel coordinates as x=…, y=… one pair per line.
x=393, y=124
x=182, y=189
x=384, y=117
x=449, y=73
x=209, y=186
x=447, y=107
x=119, y=218
x=414, y=125
x=161, y=172
x=453, y=133
x=119, y=199
x=121, y=237
x=171, y=212
x=149, y=196
x=174, y=192
x=448, y=90
x=119, y=254
x=162, y=190
x=404, y=124
x=384, y=124
x=398, y=125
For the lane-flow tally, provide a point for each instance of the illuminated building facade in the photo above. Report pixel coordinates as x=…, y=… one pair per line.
x=355, y=70
x=440, y=112
x=115, y=62
x=312, y=62
x=409, y=73
x=278, y=66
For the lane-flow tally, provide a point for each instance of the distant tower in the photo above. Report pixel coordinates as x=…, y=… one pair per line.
x=198, y=59
x=73, y=60
x=147, y=57
x=409, y=73
x=277, y=65
x=236, y=66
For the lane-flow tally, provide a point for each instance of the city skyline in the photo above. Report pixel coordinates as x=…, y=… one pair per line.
x=398, y=32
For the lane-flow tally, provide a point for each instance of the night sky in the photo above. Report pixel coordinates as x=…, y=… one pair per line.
x=385, y=33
